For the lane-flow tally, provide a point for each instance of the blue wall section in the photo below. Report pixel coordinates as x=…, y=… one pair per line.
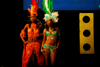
x=69, y=4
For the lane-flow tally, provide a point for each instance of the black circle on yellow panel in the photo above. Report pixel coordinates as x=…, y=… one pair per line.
x=86, y=19
x=86, y=33
x=86, y=46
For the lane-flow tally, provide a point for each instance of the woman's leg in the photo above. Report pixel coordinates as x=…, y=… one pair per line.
x=46, y=55
x=37, y=53
x=53, y=56
x=29, y=53
x=32, y=59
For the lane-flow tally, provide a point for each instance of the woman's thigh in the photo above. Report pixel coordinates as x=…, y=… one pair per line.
x=53, y=56
x=46, y=53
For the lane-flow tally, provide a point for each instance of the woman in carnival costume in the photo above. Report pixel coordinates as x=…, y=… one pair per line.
x=31, y=47
x=51, y=34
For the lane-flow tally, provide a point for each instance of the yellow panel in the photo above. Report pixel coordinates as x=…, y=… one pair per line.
x=86, y=26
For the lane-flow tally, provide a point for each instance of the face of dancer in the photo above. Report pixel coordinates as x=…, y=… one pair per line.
x=49, y=22
x=32, y=18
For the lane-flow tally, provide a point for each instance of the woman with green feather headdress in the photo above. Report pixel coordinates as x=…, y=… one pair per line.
x=51, y=34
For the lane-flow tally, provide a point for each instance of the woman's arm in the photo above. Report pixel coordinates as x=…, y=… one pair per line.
x=23, y=34
x=44, y=37
x=58, y=39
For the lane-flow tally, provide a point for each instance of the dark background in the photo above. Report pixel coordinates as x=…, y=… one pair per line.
x=68, y=52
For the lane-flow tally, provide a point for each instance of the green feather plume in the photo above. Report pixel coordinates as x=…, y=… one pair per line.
x=47, y=6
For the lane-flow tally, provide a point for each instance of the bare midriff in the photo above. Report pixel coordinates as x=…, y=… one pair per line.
x=51, y=40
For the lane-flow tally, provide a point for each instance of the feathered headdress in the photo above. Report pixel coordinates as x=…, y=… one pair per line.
x=47, y=6
x=34, y=8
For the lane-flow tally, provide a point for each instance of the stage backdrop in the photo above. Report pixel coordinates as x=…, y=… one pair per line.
x=69, y=4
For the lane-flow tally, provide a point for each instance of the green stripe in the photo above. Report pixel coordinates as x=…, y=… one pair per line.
x=50, y=6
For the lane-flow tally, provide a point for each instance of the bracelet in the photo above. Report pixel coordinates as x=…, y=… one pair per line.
x=41, y=50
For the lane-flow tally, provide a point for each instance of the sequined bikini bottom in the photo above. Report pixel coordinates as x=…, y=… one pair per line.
x=49, y=47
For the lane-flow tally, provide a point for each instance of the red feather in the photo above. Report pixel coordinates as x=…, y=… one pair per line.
x=33, y=2
x=37, y=2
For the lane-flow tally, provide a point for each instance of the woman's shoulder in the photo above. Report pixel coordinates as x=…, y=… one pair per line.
x=27, y=25
x=44, y=30
x=57, y=28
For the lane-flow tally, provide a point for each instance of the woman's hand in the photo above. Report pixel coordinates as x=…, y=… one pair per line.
x=55, y=49
x=42, y=49
x=25, y=42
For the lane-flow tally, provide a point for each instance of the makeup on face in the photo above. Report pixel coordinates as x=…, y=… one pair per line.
x=49, y=22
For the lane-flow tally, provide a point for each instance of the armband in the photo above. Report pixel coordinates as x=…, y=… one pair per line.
x=58, y=34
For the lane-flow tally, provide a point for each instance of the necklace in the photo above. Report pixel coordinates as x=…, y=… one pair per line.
x=50, y=29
